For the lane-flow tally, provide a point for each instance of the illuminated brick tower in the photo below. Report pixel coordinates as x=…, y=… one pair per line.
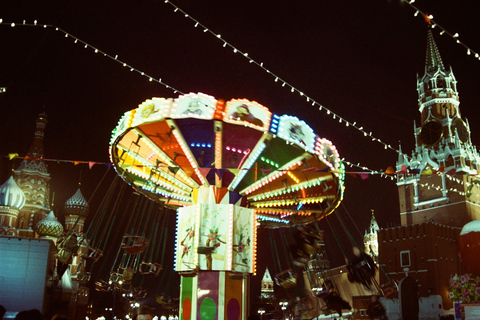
x=33, y=178
x=436, y=196
x=444, y=159
x=370, y=239
x=267, y=291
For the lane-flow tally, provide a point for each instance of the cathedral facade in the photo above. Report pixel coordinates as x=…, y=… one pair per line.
x=26, y=213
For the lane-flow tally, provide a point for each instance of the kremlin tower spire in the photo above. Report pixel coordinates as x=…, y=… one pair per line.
x=433, y=61
x=444, y=160
x=267, y=291
x=437, y=93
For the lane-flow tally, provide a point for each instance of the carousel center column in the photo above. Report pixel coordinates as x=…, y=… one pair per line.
x=215, y=255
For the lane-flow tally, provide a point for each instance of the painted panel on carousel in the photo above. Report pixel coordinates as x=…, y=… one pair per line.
x=234, y=300
x=152, y=110
x=186, y=298
x=186, y=234
x=296, y=131
x=209, y=295
x=250, y=113
x=214, y=242
x=193, y=105
x=328, y=152
x=243, y=240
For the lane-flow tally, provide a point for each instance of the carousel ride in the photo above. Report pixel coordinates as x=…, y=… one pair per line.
x=229, y=168
x=118, y=257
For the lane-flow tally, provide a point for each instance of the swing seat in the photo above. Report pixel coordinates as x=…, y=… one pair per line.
x=64, y=256
x=127, y=274
x=314, y=266
x=134, y=244
x=319, y=291
x=139, y=293
x=286, y=279
x=150, y=269
x=92, y=254
x=102, y=286
x=115, y=277
x=389, y=290
x=309, y=249
x=169, y=306
x=165, y=302
x=83, y=277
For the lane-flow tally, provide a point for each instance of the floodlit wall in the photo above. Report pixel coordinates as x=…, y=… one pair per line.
x=24, y=264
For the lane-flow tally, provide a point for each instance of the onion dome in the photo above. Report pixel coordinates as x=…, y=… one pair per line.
x=76, y=205
x=11, y=195
x=49, y=226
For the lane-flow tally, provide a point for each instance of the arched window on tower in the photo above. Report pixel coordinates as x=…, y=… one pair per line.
x=441, y=82
x=21, y=223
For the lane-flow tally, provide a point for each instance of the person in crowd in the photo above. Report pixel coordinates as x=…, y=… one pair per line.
x=361, y=268
x=2, y=311
x=33, y=314
x=333, y=300
x=376, y=310
x=144, y=313
x=306, y=243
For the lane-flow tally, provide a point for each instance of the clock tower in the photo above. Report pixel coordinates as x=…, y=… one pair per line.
x=435, y=182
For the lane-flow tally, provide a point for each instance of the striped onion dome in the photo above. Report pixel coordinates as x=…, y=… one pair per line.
x=49, y=226
x=76, y=205
x=11, y=195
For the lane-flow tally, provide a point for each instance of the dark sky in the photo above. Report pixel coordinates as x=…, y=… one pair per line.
x=358, y=58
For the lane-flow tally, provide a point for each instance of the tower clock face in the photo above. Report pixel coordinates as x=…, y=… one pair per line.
x=431, y=132
x=461, y=129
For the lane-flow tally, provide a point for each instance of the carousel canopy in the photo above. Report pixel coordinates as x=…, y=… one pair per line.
x=169, y=149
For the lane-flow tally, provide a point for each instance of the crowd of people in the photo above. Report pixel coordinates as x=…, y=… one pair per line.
x=307, y=244
x=143, y=313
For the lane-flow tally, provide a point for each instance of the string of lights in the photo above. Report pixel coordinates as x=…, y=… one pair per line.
x=259, y=64
x=429, y=18
x=278, y=79
x=393, y=176
x=95, y=50
x=225, y=44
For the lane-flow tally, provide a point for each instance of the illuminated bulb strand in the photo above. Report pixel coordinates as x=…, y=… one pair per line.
x=96, y=50
x=429, y=19
x=393, y=177
x=235, y=50
x=280, y=80
x=225, y=44
x=144, y=164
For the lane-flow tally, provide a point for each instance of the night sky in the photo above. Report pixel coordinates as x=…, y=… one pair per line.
x=357, y=58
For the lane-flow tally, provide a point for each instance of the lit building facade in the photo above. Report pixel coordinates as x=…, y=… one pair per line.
x=25, y=213
x=436, y=196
